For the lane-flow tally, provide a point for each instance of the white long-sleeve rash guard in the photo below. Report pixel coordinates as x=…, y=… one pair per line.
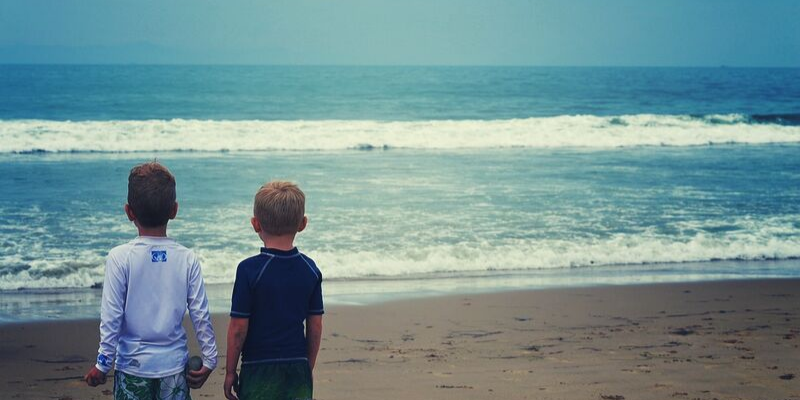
x=149, y=284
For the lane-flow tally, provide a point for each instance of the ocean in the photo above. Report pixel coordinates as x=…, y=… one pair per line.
x=419, y=180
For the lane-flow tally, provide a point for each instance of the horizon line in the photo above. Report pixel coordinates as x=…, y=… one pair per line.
x=379, y=65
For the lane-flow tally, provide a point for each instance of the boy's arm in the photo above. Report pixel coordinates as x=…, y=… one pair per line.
x=197, y=302
x=241, y=304
x=314, y=318
x=112, y=310
x=237, y=333
x=313, y=337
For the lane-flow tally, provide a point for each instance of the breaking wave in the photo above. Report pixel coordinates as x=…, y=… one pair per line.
x=451, y=259
x=32, y=136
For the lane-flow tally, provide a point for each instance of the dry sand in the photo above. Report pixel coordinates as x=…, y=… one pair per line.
x=718, y=340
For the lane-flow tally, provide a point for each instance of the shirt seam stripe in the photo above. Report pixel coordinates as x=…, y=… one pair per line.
x=264, y=268
x=279, y=256
x=309, y=266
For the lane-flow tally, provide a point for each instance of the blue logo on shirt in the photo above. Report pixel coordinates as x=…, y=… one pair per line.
x=103, y=360
x=159, y=255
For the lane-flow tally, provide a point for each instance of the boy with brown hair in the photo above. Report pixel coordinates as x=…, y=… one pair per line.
x=149, y=284
x=275, y=292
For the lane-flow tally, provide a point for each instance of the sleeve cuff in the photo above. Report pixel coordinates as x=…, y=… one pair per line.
x=102, y=369
x=316, y=312
x=104, y=363
x=238, y=314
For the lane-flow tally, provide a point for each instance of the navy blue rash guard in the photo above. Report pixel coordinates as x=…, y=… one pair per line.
x=277, y=290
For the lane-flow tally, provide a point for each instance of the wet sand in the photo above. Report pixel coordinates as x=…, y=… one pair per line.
x=708, y=340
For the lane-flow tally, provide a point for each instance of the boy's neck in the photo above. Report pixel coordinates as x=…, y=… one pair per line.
x=158, y=231
x=282, y=242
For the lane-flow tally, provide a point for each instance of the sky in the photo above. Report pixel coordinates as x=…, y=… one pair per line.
x=750, y=33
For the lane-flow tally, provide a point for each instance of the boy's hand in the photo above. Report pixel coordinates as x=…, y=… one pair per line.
x=231, y=381
x=95, y=377
x=196, y=379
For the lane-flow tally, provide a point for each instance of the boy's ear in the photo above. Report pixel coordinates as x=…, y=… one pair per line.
x=303, y=224
x=174, y=211
x=129, y=212
x=256, y=224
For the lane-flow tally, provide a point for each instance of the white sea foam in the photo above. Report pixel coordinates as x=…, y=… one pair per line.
x=547, y=254
x=545, y=132
x=456, y=259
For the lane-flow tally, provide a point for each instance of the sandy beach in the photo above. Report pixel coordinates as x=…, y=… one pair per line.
x=710, y=340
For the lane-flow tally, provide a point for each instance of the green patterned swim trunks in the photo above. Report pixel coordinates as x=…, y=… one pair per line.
x=129, y=387
x=276, y=381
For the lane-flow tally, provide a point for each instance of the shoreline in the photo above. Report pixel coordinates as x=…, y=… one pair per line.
x=695, y=340
x=28, y=305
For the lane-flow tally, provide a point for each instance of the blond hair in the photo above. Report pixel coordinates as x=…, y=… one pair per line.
x=279, y=207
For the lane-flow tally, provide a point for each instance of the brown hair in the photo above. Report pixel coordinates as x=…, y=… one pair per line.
x=279, y=207
x=151, y=194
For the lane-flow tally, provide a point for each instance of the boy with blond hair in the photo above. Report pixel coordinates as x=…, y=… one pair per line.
x=275, y=292
x=149, y=284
